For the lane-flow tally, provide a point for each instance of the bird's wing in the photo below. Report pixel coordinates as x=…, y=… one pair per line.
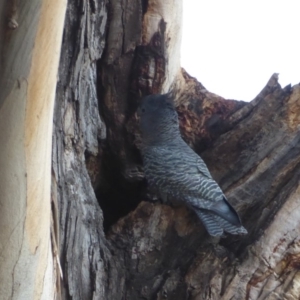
x=191, y=158
x=182, y=173
x=212, y=226
x=202, y=168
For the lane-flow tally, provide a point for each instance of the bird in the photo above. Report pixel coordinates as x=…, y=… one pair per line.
x=176, y=173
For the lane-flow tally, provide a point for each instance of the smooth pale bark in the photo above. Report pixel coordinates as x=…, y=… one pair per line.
x=29, y=63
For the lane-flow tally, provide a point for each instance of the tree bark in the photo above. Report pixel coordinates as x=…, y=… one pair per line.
x=148, y=250
x=30, y=38
x=112, y=241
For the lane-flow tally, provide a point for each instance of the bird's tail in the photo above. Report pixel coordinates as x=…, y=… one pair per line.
x=225, y=210
x=216, y=225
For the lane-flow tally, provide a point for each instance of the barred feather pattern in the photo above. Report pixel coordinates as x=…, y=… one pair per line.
x=173, y=169
x=178, y=172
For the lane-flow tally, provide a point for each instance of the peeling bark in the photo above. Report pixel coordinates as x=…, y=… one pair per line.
x=86, y=261
x=260, y=176
x=113, y=244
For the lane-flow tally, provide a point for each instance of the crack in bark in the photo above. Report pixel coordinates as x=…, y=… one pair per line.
x=171, y=238
x=19, y=254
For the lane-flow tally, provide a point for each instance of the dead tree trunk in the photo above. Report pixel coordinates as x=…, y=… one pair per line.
x=112, y=54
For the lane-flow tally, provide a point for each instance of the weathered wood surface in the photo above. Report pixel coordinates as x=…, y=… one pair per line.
x=114, y=52
x=256, y=162
x=89, y=269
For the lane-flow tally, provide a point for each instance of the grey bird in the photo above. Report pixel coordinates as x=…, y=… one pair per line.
x=176, y=172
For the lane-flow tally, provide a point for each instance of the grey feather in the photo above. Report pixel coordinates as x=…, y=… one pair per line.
x=173, y=169
x=210, y=224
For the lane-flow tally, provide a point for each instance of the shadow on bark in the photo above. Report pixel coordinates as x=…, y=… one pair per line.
x=113, y=244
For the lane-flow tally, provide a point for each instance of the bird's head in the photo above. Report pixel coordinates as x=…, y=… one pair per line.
x=158, y=119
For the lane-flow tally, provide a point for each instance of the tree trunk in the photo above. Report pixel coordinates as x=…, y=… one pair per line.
x=113, y=242
x=30, y=38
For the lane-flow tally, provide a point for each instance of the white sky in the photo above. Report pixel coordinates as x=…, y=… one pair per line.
x=234, y=46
